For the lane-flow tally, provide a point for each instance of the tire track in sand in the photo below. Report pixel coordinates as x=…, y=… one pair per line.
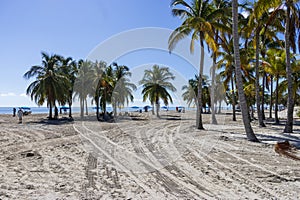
x=151, y=166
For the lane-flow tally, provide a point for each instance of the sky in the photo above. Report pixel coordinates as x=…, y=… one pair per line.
x=132, y=33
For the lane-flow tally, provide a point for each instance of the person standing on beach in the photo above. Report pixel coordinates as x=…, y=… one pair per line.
x=14, y=112
x=20, y=115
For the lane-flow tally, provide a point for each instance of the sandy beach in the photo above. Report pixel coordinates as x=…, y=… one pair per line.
x=143, y=157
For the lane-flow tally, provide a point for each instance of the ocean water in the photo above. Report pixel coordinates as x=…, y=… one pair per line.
x=38, y=110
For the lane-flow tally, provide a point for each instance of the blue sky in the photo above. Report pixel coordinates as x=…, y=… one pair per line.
x=75, y=28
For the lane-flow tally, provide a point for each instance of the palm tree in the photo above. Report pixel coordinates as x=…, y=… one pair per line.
x=276, y=67
x=197, y=23
x=227, y=62
x=243, y=103
x=191, y=89
x=83, y=83
x=102, y=81
x=123, y=89
x=156, y=83
x=220, y=6
x=50, y=85
x=228, y=75
x=69, y=69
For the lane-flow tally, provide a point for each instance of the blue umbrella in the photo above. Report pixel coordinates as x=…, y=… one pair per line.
x=135, y=107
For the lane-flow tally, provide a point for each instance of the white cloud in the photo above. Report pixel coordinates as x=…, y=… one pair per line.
x=23, y=95
x=9, y=94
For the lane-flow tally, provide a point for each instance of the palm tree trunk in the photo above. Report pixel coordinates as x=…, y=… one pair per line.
x=115, y=109
x=220, y=105
x=70, y=110
x=290, y=107
x=97, y=108
x=81, y=107
x=257, y=87
x=199, y=123
x=86, y=107
x=276, y=101
x=212, y=93
x=157, y=109
x=263, y=97
x=271, y=98
x=243, y=103
x=50, y=110
x=152, y=109
x=252, y=112
x=233, y=99
x=70, y=104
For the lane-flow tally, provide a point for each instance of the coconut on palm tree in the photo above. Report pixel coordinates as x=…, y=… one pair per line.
x=156, y=86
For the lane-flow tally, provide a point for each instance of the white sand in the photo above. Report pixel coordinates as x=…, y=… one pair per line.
x=142, y=157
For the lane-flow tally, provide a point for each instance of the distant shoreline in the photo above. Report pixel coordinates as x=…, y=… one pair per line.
x=45, y=110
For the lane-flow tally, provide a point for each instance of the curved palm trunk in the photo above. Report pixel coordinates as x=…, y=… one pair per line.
x=276, y=101
x=259, y=113
x=243, y=103
x=271, y=98
x=290, y=107
x=233, y=99
x=199, y=123
x=212, y=93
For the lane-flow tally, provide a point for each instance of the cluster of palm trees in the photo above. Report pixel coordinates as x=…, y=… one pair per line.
x=59, y=80
x=248, y=51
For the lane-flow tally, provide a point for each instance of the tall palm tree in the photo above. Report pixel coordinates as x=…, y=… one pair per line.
x=197, y=23
x=106, y=88
x=156, y=84
x=84, y=83
x=50, y=85
x=69, y=69
x=123, y=89
x=102, y=86
x=276, y=67
x=243, y=103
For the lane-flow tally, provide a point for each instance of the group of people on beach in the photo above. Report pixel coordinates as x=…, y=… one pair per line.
x=19, y=114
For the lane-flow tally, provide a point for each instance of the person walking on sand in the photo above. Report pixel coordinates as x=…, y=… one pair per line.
x=20, y=115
